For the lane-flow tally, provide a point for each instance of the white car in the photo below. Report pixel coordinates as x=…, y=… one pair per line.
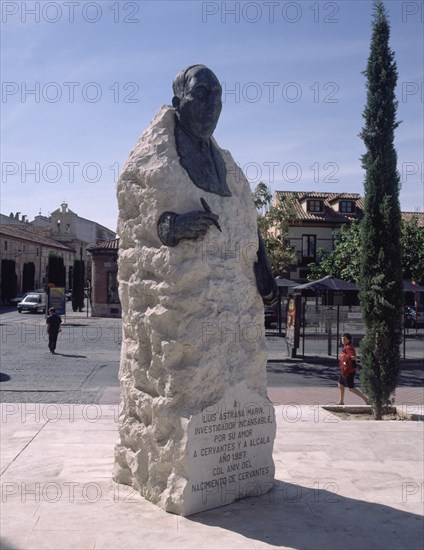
x=33, y=302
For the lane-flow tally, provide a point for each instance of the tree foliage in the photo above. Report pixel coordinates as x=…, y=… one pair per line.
x=273, y=222
x=413, y=250
x=380, y=280
x=344, y=261
x=56, y=272
x=78, y=279
x=9, y=279
x=28, y=276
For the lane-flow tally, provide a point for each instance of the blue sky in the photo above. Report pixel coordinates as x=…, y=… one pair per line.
x=81, y=81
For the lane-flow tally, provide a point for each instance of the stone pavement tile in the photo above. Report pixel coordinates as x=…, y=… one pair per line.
x=104, y=516
x=340, y=484
x=305, y=518
x=41, y=461
x=17, y=519
x=61, y=540
x=14, y=439
x=80, y=433
x=179, y=539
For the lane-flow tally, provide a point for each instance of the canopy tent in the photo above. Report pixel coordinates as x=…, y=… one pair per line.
x=409, y=286
x=327, y=283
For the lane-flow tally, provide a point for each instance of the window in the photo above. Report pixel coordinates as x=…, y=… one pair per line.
x=309, y=247
x=348, y=207
x=5, y=245
x=315, y=206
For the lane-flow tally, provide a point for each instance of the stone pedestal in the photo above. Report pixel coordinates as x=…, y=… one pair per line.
x=196, y=427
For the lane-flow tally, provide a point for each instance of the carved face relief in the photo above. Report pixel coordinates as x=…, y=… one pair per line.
x=200, y=106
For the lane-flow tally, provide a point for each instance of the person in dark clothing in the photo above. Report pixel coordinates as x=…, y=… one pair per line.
x=53, y=328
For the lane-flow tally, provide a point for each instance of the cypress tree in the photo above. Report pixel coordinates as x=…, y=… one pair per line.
x=9, y=279
x=28, y=276
x=56, y=271
x=380, y=282
x=78, y=278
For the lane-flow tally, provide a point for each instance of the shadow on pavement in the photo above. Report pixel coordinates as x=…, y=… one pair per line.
x=69, y=355
x=308, y=518
x=322, y=371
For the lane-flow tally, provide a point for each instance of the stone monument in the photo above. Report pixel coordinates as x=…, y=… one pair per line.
x=196, y=427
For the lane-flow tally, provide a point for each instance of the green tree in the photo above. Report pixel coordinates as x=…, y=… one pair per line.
x=380, y=281
x=342, y=262
x=78, y=278
x=28, y=276
x=9, y=279
x=273, y=222
x=413, y=250
x=56, y=272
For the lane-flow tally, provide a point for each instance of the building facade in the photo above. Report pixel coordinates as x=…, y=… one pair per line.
x=315, y=218
x=76, y=232
x=24, y=246
x=62, y=233
x=104, y=280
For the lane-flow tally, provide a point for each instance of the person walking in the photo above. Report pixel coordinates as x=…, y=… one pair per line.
x=347, y=365
x=53, y=328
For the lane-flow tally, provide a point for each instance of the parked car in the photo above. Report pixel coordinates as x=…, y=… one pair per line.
x=412, y=318
x=33, y=302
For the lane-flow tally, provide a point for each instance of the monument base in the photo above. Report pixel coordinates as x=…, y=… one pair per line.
x=224, y=454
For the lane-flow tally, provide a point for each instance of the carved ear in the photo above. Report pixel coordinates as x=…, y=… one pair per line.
x=176, y=102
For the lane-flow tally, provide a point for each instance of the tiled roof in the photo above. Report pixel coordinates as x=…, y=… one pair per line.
x=408, y=216
x=104, y=245
x=293, y=200
x=32, y=236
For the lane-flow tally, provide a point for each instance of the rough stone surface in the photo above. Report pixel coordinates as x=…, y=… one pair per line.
x=193, y=381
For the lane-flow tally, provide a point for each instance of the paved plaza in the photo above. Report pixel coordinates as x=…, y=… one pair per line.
x=339, y=484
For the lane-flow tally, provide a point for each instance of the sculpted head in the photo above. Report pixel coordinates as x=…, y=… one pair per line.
x=197, y=100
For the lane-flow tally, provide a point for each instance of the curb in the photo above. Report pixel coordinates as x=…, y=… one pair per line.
x=367, y=409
